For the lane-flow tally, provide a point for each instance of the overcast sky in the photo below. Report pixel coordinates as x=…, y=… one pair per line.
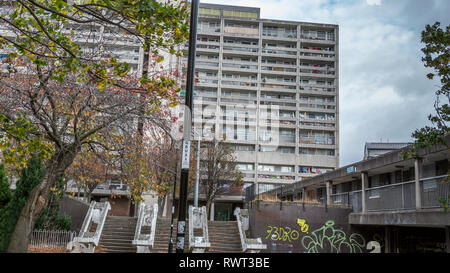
x=384, y=93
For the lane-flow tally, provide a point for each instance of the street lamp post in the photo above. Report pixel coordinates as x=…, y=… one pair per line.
x=173, y=201
x=198, y=171
x=181, y=227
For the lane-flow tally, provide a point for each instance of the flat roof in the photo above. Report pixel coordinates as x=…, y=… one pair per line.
x=258, y=11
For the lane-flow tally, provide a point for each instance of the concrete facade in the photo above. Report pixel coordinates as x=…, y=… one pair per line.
x=270, y=89
x=405, y=196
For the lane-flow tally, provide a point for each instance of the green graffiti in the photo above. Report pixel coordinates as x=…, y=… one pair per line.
x=330, y=239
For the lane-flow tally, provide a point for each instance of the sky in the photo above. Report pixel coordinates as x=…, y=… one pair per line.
x=384, y=94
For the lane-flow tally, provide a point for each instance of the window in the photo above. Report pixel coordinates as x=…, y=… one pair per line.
x=241, y=14
x=266, y=168
x=206, y=11
x=244, y=167
x=287, y=150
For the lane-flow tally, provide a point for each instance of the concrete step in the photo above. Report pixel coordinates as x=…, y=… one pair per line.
x=117, y=250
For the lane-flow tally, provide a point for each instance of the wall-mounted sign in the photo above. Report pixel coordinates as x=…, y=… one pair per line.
x=186, y=154
x=351, y=169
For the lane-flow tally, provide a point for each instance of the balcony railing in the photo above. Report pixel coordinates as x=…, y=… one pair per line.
x=435, y=192
x=353, y=199
x=317, y=140
x=391, y=197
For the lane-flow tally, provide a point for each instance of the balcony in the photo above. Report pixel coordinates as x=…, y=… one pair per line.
x=208, y=30
x=278, y=87
x=279, y=53
x=238, y=101
x=317, y=140
x=240, y=84
x=246, y=31
x=279, y=34
x=313, y=90
x=316, y=38
x=207, y=48
x=315, y=107
x=317, y=73
x=239, y=67
x=207, y=65
x=278, y=70
x=240, y=50
x=434, y=192
x=317, y=56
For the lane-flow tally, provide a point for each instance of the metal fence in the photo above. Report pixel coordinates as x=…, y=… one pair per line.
x=262, y=191
x=398, y=196
x=51, y=238
x=435, y=191
x=352, y=199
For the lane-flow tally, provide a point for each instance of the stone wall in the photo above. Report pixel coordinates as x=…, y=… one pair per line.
x=290, y=227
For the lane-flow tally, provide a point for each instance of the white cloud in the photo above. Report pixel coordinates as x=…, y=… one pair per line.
x=373, y=2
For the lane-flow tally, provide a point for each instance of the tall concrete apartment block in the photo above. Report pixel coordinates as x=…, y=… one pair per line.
x=270, y=89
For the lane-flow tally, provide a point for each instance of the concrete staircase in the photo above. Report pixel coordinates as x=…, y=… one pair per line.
x=162, y=235
x=117, y=235
x=224, y=237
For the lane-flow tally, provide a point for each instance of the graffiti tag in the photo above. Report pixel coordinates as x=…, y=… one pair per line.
x=304, y=227
x=282, y=233
x=330, y=239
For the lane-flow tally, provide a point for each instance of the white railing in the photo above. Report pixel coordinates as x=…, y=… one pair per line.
x=198, y=220
x=144, y=240
x=95, y=218
x=248, y=245
x=51, y=238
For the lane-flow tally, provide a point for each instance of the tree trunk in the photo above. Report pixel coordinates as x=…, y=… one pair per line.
x=208, y=207
x=38, y=199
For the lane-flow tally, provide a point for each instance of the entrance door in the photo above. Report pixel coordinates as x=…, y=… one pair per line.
x=223, y=211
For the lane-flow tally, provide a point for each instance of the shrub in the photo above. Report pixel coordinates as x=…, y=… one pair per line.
x=29, y=178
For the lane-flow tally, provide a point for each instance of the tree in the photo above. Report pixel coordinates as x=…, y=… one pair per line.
x=164, y=164
x=437, y=56
x=218, y=170
x=60, y=98
x=29, y=179
x=89, y=169
x=50, y=218
x=40, y=28
x=5, y=192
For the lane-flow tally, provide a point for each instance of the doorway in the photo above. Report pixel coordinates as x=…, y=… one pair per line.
x=223, y=211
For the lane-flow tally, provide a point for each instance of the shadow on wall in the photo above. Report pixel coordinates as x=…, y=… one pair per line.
x=309, y=228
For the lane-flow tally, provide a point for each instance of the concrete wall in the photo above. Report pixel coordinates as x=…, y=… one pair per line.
x=76, y=209
x=298, y=228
